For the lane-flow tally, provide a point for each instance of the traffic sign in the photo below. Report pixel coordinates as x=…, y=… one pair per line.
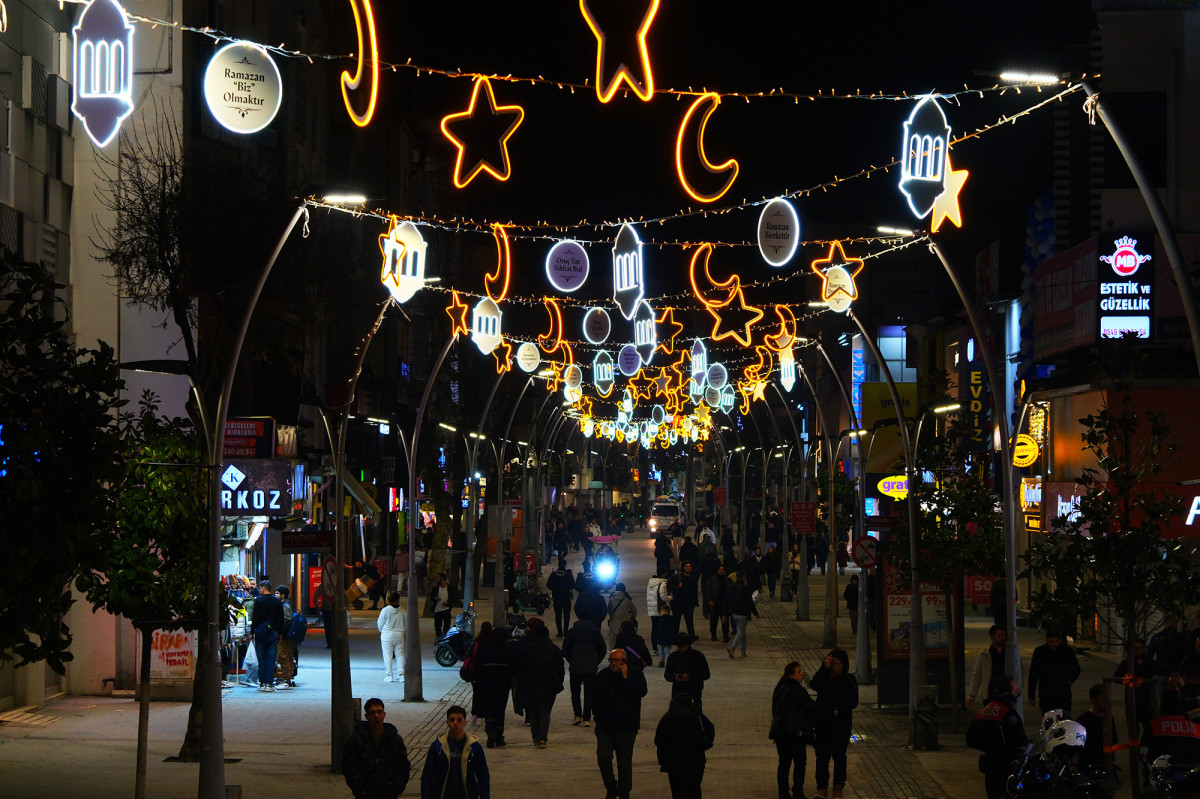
x=329, y=577
x=804, y=518
x=865, y=550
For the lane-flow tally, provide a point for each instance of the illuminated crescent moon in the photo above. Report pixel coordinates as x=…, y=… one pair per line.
x=764, y=365
x=731, y=285
x=503, y=266
x=350, y=82
x=787, y=329
x=555, y=333
x=730, y=166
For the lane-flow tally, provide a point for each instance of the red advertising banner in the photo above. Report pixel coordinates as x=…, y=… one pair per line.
x=314, y=587
x=804, y=518
x=897, y=616
x=721, y=497
x=979, y=588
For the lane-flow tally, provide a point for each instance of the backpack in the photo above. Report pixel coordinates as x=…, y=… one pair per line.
x=298, y=628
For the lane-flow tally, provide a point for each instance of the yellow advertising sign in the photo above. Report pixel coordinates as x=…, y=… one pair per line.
x=895, y=486
x=1025, y=450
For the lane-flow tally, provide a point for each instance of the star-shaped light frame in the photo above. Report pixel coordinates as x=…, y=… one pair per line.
x=457, y=310
x=837, y=257
x=643, y=87
x=743, y=335
x=666, y=322
x=946, y=205
x=503, y=355
x=457, y=120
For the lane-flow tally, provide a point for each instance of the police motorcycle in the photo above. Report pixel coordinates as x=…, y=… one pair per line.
x=1047, y=768
x=605, y=564
x=1172, y=755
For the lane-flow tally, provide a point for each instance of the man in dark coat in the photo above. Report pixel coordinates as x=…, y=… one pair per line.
x=583, y=649
x=540, y=678
x=619, y=692
x=716, y=590
x=493, y=667
x=688, y=550
x=686, y=670
x=683, y=735
x=998, y=732
x=561, y=583
x=590, y=605
x=685, y=588
x=267, y=624
x=374, y=757
x=1053, y=669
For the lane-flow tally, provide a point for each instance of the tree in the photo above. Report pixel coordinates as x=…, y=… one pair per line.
x=1108, y=560
x=961, y=528
x=58, y=454
x=153, y=565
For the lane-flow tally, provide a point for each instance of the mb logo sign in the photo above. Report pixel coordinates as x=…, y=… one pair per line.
x=258, y=487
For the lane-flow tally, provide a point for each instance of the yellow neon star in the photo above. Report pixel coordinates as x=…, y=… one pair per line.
x=457, y=311
x=662, y=383
x=946, y=205
x=554, y=379
x=503, y=355
x=643, y=88
x=667, y=344
x=837, y=257
x=640, y=386
x=757, y=390
x=741, y=333
x=703, y=415
x=462, y=121
x=585, y=406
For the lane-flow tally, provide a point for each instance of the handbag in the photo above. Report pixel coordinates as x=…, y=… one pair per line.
x=807, y=733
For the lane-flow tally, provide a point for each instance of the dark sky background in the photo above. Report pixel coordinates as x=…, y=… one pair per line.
x=575, y=158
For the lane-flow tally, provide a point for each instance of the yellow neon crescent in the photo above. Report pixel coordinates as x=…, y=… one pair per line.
x=555, y=333
x=763, y=367
x=503, y=266
x=787, y=329
x=729, y=168
x=732, y=284
x=353, y=82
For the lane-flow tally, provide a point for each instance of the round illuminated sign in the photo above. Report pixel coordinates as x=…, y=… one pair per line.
x=573, y=376
x=628, y=360
x=658, y=415
x=712, y=396
x=778, y=232
x=596, y=325
x=566, y=266
x=242, y=87
x=1025, y=450
x=528, y=357
x=718, y=376
x=895, y=486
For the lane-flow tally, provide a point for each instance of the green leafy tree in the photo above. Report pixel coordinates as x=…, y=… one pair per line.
x=153, y=564
x=59, y=453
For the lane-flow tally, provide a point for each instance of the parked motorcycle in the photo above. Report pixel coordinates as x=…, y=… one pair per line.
x=1048, y=768
x=1173, y=751
x=456, y=642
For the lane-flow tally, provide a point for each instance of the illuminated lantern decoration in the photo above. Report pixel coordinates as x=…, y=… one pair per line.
x=658, y=415
x=606, y=87
x=699, y=368
x=503, y=273
x=627, y=403
x=787, y=369
x=837, y=273
x=628, y=360
x=528, y=357
x=103, y=55
x=567, y=266
x=778, y=232
x=403, y=260
x=730, y=167
x=602, y=373
x=368, y=51
x=923, y=156
x=645, y=332
x=627, y=270
x=455, y=126
x=457, y=311
x=596, y=325
x=723, y=322
x=503, y=355
x=728, y=399
x=485, y=325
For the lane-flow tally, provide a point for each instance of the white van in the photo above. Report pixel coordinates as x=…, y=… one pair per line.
x=663, y=514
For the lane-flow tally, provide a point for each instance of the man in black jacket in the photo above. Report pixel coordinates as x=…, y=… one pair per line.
x=685, y=588
x=540, y=678
x=1053, y=669
x=619, y=692
x=266, y=624
x=686, y=670
x=561, y=583
x=374, y=757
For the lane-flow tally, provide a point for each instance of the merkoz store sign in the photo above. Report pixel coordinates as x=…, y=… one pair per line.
x=1126, y=291
x=256, y=488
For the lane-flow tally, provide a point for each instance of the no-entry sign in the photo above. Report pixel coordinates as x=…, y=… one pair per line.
x=865, y=550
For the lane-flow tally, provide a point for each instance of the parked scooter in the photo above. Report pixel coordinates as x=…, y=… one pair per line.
x=456, y=642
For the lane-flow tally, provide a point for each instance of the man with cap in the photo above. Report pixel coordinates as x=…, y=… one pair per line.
x=687, y=669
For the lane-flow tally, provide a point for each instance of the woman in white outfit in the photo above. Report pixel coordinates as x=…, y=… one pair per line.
x=391, y=638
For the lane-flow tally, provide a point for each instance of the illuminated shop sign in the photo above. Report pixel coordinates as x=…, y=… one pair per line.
x=1126, y=294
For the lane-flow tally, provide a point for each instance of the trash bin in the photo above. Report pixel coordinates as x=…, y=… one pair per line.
x=925, y=720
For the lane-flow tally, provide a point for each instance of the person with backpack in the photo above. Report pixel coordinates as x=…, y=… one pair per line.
x=583, y=649
x=620, y=609
x=391, y=638
x=682, y=737
x=286, y=657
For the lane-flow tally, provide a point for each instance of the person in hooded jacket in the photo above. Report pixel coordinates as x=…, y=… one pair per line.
x=455, y=765
x=682, y=737
x=620, y=609
x=583, y=649
x=657, y=597
x=837, y=693
x=493, y=669
x=374, y=757
x=540, y=677
x=663, y=553
x=794, y=715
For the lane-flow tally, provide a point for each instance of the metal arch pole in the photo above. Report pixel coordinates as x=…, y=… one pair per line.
x=341, y=708
x=469, y=565
x=508, y=426
x=211, y=782
x=413, y=687
x=803, y=608
x=762, y=444
x=1000, y=418
x=916, y=652
x=1162, y=224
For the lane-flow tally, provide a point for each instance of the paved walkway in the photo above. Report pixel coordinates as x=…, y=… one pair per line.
x=277, y=744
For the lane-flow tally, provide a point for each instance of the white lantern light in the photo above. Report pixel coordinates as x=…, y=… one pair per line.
x=485, y=325
x=403, y=260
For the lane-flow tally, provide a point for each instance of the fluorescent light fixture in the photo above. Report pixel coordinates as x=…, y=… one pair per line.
x=818, y=304
x=947, y=408
x=477, y=435
x=894, y=231
x=445, y=426
x=1042, y=78
x=346, y=199
x=377, y=420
